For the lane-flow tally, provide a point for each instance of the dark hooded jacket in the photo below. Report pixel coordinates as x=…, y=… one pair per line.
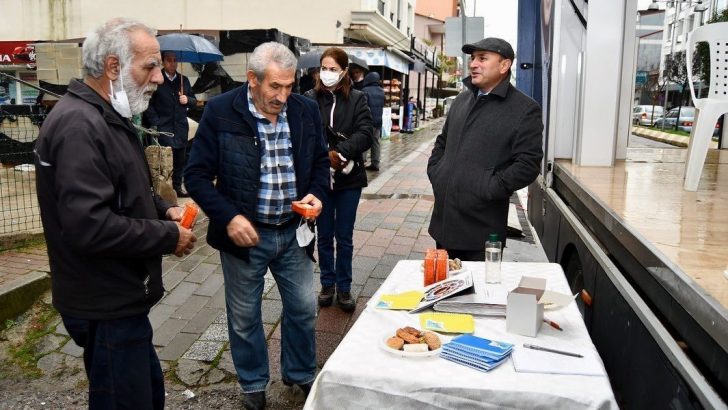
x=101, y=219
x=375, y=97
x=490, y=146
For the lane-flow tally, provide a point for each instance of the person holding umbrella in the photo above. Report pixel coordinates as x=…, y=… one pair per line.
x=348, y=124
x=167, y=112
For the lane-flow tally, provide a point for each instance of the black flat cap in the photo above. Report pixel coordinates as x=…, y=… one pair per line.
x=494, y=44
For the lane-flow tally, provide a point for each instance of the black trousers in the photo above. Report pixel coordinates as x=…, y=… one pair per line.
x=179, y=160
x=121, y=364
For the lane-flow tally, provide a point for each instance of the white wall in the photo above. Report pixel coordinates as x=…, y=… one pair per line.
x=70, y=19
x=566, y=77
x=602, y=79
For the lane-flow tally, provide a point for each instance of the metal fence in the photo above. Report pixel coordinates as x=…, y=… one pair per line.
x=19, y=212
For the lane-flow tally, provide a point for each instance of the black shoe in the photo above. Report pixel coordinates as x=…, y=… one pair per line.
x=372, y=168
x=182, y=193
x=346, y=302
x=326, y=297
x=306, y=387
x=254, y=401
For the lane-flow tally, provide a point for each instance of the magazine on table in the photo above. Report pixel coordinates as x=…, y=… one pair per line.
x=456, y=284
x=486, y=301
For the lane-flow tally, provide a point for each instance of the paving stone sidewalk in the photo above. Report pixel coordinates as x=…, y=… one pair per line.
x=190, y=328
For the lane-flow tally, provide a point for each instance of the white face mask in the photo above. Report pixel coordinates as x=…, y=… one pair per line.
x=119, y=99
x=330, y=78
x=305, y=233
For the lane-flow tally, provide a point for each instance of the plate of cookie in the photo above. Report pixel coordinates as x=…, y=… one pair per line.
x=411, y=342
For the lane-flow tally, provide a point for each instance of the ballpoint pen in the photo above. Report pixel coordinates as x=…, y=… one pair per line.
x=546, y=349
x=553, y=324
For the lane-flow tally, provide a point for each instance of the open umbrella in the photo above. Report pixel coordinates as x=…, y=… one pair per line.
x=358, y=61
x=189, y=48
x=310, y=59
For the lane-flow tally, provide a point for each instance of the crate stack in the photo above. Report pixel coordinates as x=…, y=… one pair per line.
x=58, y=63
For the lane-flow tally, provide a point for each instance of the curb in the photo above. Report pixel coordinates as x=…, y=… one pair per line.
x=667, y=138
x=17, y=296
x=16, y=240
x=659, y=136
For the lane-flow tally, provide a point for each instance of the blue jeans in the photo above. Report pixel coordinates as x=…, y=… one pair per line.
x=121, y=365
x=337, y=221
x=293, y=272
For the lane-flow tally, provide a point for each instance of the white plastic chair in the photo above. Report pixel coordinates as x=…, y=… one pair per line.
x=709, y=109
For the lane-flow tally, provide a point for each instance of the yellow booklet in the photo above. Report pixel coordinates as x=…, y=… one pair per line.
x=447, y=322
x=400, y=301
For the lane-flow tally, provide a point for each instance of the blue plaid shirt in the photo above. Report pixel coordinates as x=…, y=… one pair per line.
x=277, y=174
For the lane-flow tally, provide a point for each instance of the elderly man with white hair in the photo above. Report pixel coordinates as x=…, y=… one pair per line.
x=259, y=150
x=105, y=230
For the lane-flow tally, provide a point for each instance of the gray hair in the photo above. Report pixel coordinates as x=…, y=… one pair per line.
x=111, y=38
x=271, y=52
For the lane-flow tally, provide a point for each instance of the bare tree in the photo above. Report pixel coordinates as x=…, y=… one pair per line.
x=655, y=86
x=676, y=71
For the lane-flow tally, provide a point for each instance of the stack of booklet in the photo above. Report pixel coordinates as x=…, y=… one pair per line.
x=476, y=352
x=487, y=301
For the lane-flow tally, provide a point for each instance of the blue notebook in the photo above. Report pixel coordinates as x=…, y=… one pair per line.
x=476, y=352
x=481, y=346
x=450, y=349
x=482, y=366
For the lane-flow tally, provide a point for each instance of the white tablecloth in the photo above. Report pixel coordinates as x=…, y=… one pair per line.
x=361, y=375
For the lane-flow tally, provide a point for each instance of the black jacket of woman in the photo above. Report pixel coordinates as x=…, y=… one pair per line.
x=353, y=119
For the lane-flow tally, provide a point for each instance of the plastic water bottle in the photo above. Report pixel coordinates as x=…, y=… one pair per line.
x=493, y=259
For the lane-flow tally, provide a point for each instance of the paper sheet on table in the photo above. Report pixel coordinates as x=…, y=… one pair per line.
x=400, y=301
x=537, y=361
x=447, y=322
x=555, y=300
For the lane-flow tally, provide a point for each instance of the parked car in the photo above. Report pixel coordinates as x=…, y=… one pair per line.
x=646, y=114
x=685, y=123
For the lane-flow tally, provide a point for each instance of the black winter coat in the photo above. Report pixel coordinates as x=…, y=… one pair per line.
x=353, y=119
x=375, y=97
x=167, y=114
x=490, y=146
x=101, y=219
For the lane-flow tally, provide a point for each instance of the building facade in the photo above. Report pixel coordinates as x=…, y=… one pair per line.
x=681, y=17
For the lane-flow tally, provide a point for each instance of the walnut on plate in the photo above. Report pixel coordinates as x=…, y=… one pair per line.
x=455, y=264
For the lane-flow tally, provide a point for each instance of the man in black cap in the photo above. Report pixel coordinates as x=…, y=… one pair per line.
x=490, y=146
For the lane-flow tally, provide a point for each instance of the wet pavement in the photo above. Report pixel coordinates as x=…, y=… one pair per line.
x=190, y=330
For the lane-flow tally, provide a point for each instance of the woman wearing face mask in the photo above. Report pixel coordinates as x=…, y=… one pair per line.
x=344, y=111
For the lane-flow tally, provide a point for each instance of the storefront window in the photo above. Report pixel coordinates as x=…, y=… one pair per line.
x=29, y=95
x=8, y=90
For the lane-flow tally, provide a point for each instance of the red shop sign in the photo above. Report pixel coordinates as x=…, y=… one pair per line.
x=17, y=53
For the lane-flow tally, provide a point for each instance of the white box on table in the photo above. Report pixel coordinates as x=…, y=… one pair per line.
x=525, y=305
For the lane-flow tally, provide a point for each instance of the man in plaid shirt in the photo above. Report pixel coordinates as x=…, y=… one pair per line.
x=258, y=149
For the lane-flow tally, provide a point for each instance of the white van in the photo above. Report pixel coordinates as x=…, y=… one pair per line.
x=644, y=114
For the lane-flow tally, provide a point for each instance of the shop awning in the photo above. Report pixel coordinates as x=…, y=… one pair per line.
x=381, y=57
